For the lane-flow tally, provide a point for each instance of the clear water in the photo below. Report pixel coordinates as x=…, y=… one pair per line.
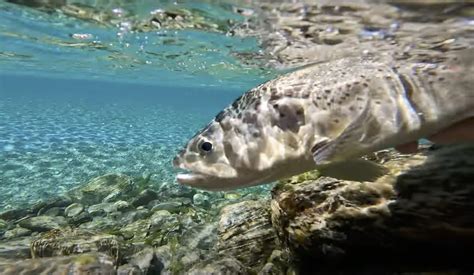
x=117, y=101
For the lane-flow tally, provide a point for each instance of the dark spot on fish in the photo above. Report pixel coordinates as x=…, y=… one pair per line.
x=336, y=120
x=347, y=94
x=361, y=108
x=327, y=91
x=348, y=85
x=351, y=108
x=362, y=76
x=359, y=98
x=356, y=82
x=318, y=98
x=365, y=84
x=275, y=97
x=275, y=106
x=220, y=116
x=380, y=70
x=300, y=112
x=329, y=104
x=441, y=79
x=256, y=134
x=273, y=90
x=282, y=115
x=430, y=82
x=239, y=116
x=305, y=95
x=388, y=77
x=378, y=102
x=432, y=73
x=339, y=102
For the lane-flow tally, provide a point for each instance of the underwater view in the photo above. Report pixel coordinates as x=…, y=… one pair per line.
x=236, y=137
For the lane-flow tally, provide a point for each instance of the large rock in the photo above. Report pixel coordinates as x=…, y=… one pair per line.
x=68, y=242
x=43, y=223
x=246, y=233
x=111, y=187
x=15, y=249
x=419, y=217
x=219, y=266
x=93, y=263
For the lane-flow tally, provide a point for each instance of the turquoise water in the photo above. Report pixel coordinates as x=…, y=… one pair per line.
x=117, y=100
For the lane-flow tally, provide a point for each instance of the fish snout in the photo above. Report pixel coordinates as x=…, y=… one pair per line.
x=177, y=160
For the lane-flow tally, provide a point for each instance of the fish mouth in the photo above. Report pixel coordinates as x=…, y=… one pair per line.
x=189, y=178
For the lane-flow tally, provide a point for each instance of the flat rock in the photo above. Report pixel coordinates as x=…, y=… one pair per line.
x=246, y=233
x=68, y=242
x=43, y=223
x=91, y=263
x=16, y=249
x=97, y=189
x=417, y=218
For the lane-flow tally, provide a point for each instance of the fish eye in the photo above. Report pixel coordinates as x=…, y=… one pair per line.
x=206, y=146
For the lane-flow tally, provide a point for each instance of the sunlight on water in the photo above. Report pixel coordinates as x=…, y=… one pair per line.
x=121, y=45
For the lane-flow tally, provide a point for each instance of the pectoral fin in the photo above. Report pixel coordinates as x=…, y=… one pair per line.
x=353, y=170
x=353, y=142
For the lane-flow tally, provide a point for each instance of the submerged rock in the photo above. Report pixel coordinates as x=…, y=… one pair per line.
x=92, y=263
x=144, y=197
x=68, y=242
x=43, y=223
x=419, y=217
x=17, y=232
x=219, y=266
x=16, y=249
x=73, y=209
x=246, y=233
x=97, y=189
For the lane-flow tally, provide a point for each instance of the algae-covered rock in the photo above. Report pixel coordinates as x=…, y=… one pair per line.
x=68, y=242
x=14, y=214
x=43, y=223
x=219, y=266
x=18, y=248
x=73, y=209
x=419, y=217
x=97, y=189
x=246, y=233
x=17, y=232
x=144, y=197
x=91, y=263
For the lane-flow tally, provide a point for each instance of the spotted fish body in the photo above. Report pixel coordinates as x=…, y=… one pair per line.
x=324, y=114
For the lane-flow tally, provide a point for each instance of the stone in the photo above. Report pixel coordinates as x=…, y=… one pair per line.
x=17, y=232
x=90, y=263
x=135, y=215
x=144, y=197
x=245, y=232
x=201, y=200
x=148, y=261
x=201, y=236
x=16, y=249
x=40, y=208
x=171, y=206
x=80, y=219
x=418, y=214
x=138, y=230
x=53, y=211
x=3, y=224
x=121, y=205
x=97, y=189
x=68, y=242
x=73, y=210
x=43, y=223
x=219, y=266
x=14, y=214
x=99, y=209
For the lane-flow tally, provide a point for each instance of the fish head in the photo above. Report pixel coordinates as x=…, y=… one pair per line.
x=242, y=146
x=204, y=157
